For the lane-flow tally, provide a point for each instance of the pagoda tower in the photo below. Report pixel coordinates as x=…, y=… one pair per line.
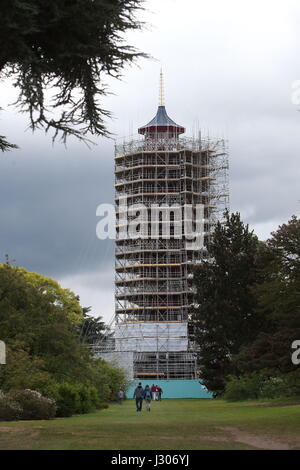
x=157, y=176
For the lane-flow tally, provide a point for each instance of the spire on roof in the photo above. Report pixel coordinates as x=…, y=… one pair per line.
x=161, y=90
x=161, y=123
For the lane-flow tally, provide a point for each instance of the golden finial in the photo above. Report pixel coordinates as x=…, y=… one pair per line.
x=161, y=90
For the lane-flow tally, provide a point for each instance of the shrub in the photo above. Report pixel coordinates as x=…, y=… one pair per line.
x=263, y=385
x=88, y=399
x=243, y=388
x=67, y=399
x=102, y=406
x=292, y=383
x=74, y=398
x=34, y=405
x=10, y=410
x=273, y=387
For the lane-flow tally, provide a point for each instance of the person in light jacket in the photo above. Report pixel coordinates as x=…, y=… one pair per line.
x=120, y=397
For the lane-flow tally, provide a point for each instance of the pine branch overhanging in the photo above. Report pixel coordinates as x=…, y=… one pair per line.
x=65, y=47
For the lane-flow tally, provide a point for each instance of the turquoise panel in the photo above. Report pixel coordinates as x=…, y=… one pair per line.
x=175, y=388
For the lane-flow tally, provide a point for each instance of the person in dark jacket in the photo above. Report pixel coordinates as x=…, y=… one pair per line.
x=139, y=395
x=148, y=396
x=160, y=391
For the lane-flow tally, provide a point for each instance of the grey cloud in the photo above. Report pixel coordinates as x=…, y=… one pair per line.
x=48, y=208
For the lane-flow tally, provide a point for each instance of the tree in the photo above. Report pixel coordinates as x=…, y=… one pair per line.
x=23, y=370
x=92, y=330
x=279, y=300
x=225, y=317
x=65, y=47
x=39, y=319
x=40, y=324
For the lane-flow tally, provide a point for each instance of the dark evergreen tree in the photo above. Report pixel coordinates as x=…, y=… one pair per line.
x=225, y=317
x=65, y=46
x=279, y=300
x=93, y=329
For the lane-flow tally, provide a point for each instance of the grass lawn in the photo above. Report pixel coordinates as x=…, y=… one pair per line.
x=171, y=425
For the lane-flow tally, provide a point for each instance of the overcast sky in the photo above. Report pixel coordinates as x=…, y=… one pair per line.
x=229, y=69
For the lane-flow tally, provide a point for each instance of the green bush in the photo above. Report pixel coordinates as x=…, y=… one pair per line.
x=291, y=384
x=273, y=387
x=34, y=405
x=242, y=388
x=74, y=398
x=263, y=385
x=9, y=409
x=67, y=399
x=88, y=399
x=102, y=406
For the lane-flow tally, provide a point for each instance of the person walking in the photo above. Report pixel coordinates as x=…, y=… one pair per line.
x=153, y=390
x=120, y=397
x=160, y=392
x=139, y=395
x=148, y=396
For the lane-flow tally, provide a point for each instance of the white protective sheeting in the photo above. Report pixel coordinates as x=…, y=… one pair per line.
x=151, y=337
x=122, y=360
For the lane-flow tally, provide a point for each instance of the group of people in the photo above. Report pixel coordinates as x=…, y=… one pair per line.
x=156, y=392
x=148, y=394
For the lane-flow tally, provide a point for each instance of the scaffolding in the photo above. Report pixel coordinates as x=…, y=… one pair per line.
x=157, y=177
x=154, y=276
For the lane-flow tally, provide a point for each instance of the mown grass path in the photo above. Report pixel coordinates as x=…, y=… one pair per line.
x=171, y=425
